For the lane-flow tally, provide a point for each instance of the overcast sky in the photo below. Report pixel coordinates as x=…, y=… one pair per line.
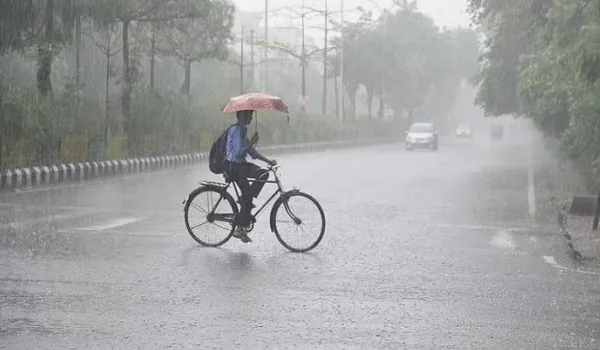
x=450, y=13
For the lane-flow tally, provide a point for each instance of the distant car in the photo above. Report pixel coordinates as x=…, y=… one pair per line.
x=464, y=130
x=423, y=136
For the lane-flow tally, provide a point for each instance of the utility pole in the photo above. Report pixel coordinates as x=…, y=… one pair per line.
x=342, y=93
x=252, y=81
x=324, y=107
x=303, y=62
x=266, y=58
x=242, y=62
x=152, y=56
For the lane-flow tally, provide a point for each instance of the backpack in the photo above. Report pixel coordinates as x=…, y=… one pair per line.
x=218, y=153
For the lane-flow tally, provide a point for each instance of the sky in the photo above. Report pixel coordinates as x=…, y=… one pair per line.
x=449, y=13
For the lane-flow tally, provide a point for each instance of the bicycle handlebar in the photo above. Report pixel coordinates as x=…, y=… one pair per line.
x=274, y=167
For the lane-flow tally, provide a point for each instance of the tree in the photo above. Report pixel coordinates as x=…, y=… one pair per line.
x=46, y=24
x=203, y=37
x=132, y=11
x=401, y=57
x=107, y=41
x=514, y=27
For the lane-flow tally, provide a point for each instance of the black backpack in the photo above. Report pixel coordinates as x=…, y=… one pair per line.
x=218, y=153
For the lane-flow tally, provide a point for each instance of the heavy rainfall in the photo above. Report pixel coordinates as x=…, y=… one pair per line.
x=396, y=175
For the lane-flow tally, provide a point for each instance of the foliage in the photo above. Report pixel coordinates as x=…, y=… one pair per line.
x=126, y=56
x=401, y=57
x=543, y=61
x=36, y=127
x=200, y=37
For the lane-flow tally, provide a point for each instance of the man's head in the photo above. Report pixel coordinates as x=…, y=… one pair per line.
x=245, y=117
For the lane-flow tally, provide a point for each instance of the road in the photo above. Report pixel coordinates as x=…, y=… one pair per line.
x=423, y=250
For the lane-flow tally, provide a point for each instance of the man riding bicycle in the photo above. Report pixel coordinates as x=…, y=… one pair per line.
x=239, y=170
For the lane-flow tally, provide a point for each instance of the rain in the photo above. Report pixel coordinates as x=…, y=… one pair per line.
x=299, y=174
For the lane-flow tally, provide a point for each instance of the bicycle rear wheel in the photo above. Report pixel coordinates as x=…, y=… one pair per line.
x=210, y=209
x=302, y=214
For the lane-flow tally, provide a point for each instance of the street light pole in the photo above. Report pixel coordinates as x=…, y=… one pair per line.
x=242, y=62
x=253, y=75
x=303, y=63
x=343, y=114
x=325, y=55
x=265, y=58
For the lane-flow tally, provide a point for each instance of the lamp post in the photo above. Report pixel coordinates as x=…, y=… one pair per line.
x=242, y=62
x=343, y=114
x=265, y=58
x=303, y=62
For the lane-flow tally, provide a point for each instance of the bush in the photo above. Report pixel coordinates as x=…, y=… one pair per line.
x=64, y=128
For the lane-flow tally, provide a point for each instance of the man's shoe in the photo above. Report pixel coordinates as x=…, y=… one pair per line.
x=241, y=235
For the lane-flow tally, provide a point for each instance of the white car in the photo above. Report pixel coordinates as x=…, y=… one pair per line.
x=464, y=130
x=422, y=135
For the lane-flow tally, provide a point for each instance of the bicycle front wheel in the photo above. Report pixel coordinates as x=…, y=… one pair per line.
x=298, y=221
x=209, y=214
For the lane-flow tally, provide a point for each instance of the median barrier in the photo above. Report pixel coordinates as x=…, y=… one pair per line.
x=37, y=176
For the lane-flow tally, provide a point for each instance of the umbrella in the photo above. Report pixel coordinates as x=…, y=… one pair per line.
x=255, y=101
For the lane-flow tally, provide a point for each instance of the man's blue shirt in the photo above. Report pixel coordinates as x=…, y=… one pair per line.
x=236, y=149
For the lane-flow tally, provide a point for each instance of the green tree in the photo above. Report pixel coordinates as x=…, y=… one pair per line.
x=129, y=12
x=514, y=28
x=205, y=36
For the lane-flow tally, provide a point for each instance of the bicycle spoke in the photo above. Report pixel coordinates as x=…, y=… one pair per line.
x=210, y=233
x=224, y=228
x=198, y=207
x=204, y=223
x=307, y=234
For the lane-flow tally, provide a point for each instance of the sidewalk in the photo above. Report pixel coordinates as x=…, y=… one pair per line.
x=556, y=184
x=584, y=241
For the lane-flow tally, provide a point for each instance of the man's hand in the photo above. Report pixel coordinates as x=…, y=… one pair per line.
x=272, y=162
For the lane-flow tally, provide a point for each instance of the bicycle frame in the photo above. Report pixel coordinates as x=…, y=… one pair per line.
x=279, y=191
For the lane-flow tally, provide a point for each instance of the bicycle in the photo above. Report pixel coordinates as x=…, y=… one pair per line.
x=227, y=217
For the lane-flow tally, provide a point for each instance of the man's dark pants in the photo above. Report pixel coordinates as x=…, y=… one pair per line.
x=240, y=173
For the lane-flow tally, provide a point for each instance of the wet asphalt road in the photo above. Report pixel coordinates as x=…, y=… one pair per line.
x=422, y=251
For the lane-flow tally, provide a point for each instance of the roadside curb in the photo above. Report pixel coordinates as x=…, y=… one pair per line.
x=38, y=176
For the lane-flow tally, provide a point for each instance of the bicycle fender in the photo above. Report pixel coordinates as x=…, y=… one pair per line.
x=272, y=219
x=195, y=192
x=287, y=193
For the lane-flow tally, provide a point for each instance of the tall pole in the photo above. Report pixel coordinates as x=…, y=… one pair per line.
x=265, y=58
x=152, y=57
x=342, y=93
x=242, y=62
x=324, y=107
x=303, y=62
x=253, y=76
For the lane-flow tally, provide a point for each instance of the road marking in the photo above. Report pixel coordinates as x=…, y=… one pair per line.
x=478, y=227
x=19, y=225
x=530, y=181
x=552, y=262
x=504, y=240
x=174, y=213
x=112, y=225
